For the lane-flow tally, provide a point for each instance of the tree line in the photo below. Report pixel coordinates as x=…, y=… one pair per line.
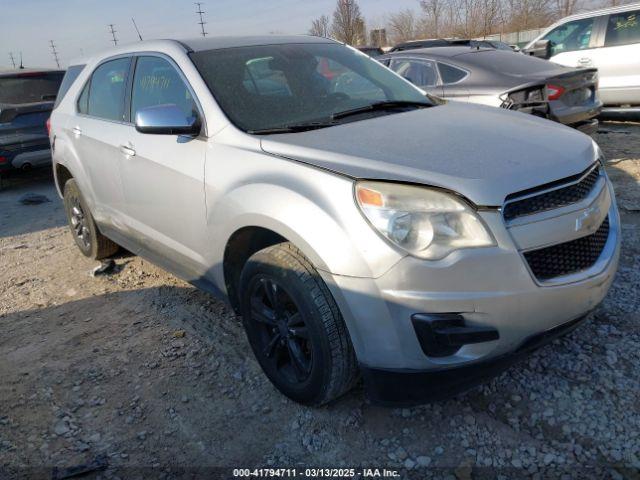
x=447, y=18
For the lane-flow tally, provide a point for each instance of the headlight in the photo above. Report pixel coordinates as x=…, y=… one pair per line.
x=597, y=153
x=425, y=222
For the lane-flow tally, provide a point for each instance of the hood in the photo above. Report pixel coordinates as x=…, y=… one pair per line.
x=483, y=153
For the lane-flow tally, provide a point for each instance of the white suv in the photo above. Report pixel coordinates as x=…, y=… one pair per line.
x=607, y=39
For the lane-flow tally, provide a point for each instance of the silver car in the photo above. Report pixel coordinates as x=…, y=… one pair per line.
x=501, y=79
x=359, y=228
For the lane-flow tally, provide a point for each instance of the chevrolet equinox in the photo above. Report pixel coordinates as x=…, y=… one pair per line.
x=360, y=228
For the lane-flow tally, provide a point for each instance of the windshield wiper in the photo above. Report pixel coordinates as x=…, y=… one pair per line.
x=299, y=127
x=380, y=106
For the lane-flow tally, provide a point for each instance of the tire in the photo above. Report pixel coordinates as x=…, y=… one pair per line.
x=296, y=332
x=83, y=228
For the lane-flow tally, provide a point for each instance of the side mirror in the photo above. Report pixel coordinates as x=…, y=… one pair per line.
x=540, y=49
x=166, y=120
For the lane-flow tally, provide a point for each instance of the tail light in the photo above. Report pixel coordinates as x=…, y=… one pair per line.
x=3, y=160
x=48, y=126
x=554, y=92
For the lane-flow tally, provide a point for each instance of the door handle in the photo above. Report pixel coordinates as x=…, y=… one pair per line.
x=128, y=151
x=77, y=131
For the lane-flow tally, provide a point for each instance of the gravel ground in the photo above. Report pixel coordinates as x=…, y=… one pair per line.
x=142, y=371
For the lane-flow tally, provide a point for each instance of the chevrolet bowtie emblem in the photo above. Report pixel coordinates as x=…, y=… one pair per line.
x=587, y=219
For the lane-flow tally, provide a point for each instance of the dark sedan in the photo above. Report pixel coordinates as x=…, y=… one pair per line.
x=502, y=79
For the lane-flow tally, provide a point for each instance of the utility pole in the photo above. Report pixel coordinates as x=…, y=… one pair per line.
x=13, y=60
x=136, y=27
x=54, y=52
x=201, y=22
x=113, y=33
x=21, y=67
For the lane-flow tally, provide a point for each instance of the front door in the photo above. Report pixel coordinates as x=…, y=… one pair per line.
x=163, y=175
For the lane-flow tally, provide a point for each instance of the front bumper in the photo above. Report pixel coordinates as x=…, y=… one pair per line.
x=407, y=387
x=490, y=287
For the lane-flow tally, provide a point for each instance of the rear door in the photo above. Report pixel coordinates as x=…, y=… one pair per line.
x=421, y=72
x=97, y=132
x=618, y=61
x=163, y=175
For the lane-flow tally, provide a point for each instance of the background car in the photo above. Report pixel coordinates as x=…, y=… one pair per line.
x=501, y=79
x=608, y=40
x=449, y=42
x=370, y=50
x=26, y=100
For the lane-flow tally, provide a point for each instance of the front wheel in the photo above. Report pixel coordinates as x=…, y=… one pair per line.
x=294, y=326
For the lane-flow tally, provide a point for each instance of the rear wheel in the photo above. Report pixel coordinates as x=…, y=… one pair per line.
x=83, y=228
x=294, y=326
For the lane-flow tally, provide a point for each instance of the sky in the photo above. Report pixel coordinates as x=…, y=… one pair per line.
x=80, y=27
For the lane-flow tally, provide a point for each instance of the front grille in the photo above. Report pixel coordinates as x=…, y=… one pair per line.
x=569, y=257
x=558, y=198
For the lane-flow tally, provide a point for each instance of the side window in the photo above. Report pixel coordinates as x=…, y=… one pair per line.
x=419, y=72
x=106, y=90
x=571, y=36
x=450, y=74
x=67, y=81
x=83, y=100
x=623, y=29
x=157, y=82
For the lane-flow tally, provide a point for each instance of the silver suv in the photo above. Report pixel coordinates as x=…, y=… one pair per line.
x=359, y=227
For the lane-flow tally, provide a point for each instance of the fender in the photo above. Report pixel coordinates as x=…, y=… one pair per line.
x=66, y=156
x=323, y=222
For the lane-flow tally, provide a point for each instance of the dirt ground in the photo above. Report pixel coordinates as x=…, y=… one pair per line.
x=145, y=373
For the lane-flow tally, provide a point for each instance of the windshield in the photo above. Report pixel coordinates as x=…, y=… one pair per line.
x=273, y=86
x=30, y=87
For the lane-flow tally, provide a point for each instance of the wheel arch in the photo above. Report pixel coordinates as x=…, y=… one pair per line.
x=61, y=175
x=240, y=246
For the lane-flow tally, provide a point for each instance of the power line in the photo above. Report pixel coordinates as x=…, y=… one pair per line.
x=54, y=52
x=13, y=60
x=113, y=33
x=136, y=27
x=201, y=22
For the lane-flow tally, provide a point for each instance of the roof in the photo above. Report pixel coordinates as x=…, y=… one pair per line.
x=443, y=52
x=212, y=43
x=28, y=71
x=199, y=44
x=600, y=11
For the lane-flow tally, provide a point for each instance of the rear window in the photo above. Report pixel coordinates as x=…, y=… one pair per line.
x=67, y=81
x=30, y=87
